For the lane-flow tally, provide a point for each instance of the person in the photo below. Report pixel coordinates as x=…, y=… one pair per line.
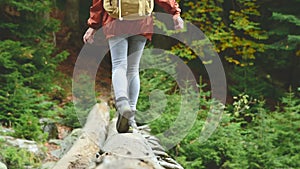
x=126, y=40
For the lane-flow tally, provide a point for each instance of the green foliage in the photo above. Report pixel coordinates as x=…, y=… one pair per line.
x=17, y=14
x=285, y=17
x=28, y=127
x=276, y=137
x=247, y=33
x=245, y=80
x=160, y=78
x=253, y=33
x=271, y=140
x=28, y=61
x=23, y=109
x=281, y=56
x=168, y=116
x=286, y=37
x=84, y=96
x=25, y=73
x=291, y=103
x=234, y=33
x=248, y=136
x=31, y=66
x=68, y=116
x=16, y=158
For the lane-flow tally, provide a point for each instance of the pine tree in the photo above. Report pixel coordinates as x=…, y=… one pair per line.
x=27, y=64
x=281, y=59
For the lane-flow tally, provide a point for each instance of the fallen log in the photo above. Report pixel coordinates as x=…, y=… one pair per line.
x=102, y=147
x=93, y=136
x=126, y=150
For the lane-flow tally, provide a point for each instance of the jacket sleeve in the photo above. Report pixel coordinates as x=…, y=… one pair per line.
x=170, y=6
x=96, y=13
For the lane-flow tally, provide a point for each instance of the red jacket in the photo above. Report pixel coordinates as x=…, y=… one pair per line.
x=111, y=26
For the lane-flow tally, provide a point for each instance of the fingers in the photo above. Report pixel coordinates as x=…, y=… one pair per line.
x=84, y=39
x=88, y=39
x=178, y=23
x=89, y=36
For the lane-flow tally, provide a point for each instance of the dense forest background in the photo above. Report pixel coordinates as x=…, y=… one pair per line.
x=258, y=42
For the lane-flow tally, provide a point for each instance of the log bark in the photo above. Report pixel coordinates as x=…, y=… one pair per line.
x=137, y=150
x=127, y=150
x=87, y=145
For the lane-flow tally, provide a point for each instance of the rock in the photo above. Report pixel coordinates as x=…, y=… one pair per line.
x=2, y=166
x=67, y=143
x=29, y=145
x=6, y=130
x=49, y=126
x=55, y=141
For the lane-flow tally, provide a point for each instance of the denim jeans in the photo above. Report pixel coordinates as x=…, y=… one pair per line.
x=126, y=52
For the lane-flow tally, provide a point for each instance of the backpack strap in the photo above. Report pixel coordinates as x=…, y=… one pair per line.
x=151, y=6
x=142, y=6
x=120, y=10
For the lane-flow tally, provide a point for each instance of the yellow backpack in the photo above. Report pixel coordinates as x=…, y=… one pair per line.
x=128, y=9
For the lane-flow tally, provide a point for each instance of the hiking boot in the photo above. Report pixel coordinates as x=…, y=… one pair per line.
x=132, y=123
x=124, y=113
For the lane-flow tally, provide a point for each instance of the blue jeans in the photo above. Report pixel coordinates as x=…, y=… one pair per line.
x=126, y=52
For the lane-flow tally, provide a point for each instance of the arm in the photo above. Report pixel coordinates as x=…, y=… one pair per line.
x=96, y=12
x=94, y=21
x=172, y=7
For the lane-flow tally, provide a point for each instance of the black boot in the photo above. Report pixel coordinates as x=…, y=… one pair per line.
x=124, y=113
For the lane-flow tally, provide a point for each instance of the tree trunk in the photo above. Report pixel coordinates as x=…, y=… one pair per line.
x=72, y=14
x=72, y=21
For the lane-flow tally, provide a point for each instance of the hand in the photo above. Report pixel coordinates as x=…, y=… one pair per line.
x=89, y=35
x=178, y=23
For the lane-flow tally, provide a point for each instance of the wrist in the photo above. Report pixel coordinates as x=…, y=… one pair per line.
x=176, y=16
